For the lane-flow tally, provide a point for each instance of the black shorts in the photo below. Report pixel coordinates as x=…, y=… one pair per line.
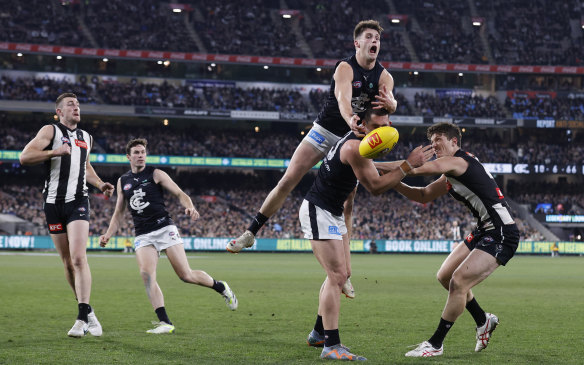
x=60, y=214
x=500, y=242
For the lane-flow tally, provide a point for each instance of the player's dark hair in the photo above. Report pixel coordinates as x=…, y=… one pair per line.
x=448, y=129
x=370, y=112
x=63, y=96
x=136, y=142
x=366, y=24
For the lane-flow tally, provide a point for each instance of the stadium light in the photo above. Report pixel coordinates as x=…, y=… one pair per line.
x=59, y=57
x=395, y=21
x=159, y=62
x=460, y=74
x=266, y=67
x=256, y=129
x=416, y=73
x=105, y=60
x=175, y=10
x=318, y=69
x=19, y=54
x=287, y=16
x=213, y=64
x=165, y=122
x=166, y=63
x=476, y=24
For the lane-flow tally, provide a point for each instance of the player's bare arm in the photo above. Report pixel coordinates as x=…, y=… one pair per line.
x=387, y=166
x=34, y=152
x=162, y=178
x=106, y=188
x=366, y=172
x=450, y=165
x=117, y=217
x=343, y=92
x=385, y=97
x=423, y=194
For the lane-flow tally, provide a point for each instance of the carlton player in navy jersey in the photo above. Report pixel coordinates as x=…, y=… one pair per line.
x=492, y=243
x=358, y=82
x=323, y=223
x=65, y=149
x=141, y=189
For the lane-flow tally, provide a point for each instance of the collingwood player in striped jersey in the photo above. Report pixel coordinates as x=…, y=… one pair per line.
x=492, y=243
x=323, y=222
x=64, y=149
x=141, y=189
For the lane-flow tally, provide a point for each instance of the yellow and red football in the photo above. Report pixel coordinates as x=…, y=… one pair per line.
x=378, y=142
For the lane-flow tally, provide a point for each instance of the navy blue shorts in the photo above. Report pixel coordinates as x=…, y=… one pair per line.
x=60, y=214
x=500, y=242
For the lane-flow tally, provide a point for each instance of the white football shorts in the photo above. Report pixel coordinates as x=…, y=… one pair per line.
x=321, y=138
x=161, y=239
x=320, y=224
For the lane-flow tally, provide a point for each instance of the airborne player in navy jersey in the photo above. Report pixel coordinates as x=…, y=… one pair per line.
x=141, y=189
x=65, y=149
x=492, y=243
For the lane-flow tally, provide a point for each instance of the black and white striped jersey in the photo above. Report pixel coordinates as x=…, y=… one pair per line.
x=479, y=192
x=66, y=175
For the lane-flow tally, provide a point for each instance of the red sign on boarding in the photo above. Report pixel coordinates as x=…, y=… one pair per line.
x=55, y=227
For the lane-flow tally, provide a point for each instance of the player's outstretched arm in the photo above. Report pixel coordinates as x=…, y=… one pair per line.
x=106, y=188
x=344, y=92
x=34, y=152
x=117, y=217
x=385, y=97
x=423, y=194
x=162, y=178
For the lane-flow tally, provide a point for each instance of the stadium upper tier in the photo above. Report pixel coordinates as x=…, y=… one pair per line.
x=512, y=32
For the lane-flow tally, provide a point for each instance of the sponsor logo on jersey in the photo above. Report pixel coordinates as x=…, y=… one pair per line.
x=469, y=237
x=334, y=230
x=499, y=193
x=316, y=136
x=127, y=186
x=55, y=227
x=81, y=209
x=81, y=144
x=357, y=84
x=374, y=140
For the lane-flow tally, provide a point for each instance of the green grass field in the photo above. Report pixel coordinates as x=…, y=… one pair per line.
x=539, y=300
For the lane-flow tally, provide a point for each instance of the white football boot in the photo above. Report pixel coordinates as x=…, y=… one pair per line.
x=425, y=349
x=247, y=239
x=484, y=332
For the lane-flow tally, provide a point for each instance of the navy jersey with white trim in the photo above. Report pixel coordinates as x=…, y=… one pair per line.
x=479, y=192
x=145, y=201
x=335, y=180
x=365, y=86
x=66, y=174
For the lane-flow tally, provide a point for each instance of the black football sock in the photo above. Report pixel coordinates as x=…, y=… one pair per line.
x=331, y=337
x=476, y=312
x=258, y=221
x=318, y=325
x=83, y=312
x=162, y=316
x=218, y=286
x=441, y=332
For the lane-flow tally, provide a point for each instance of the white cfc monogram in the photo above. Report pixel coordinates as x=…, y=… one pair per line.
x=136, y=201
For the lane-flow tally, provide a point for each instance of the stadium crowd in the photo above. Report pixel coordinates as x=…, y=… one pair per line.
x=512, y=31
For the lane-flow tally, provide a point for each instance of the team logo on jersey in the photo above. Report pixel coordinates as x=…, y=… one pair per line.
x=371, y=85
x=81, y=144
x=357, y=84
x=334, y=230
x=82, y=209
x=55, y=227
x=65, y=140
x=136, y=201
x=127, y=186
